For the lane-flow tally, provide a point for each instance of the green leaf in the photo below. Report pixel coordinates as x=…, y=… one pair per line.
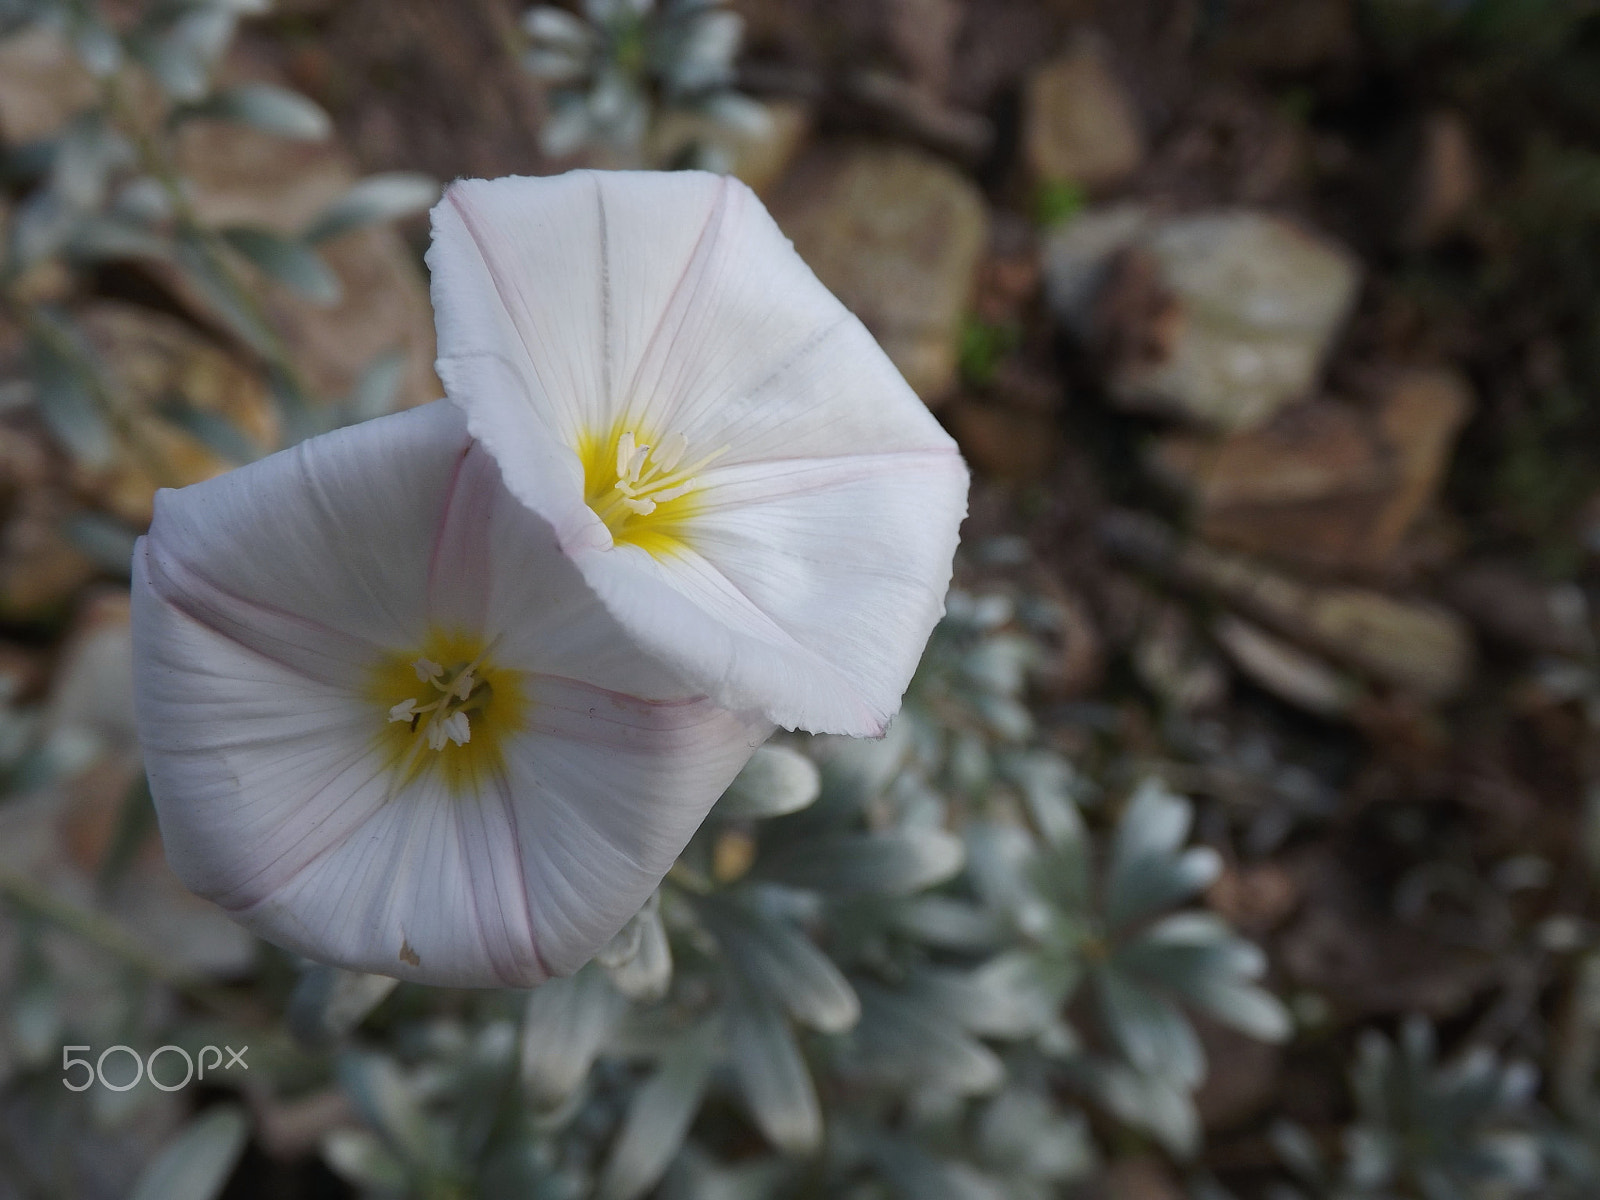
x=361, y=1159
x=906, y=1040
x=372, y=201
x=659, y=1116
x=947, y=923
x=267, y=107
x=222, y=294
x=918, y=1175
x=386, y=1101
x=1150, y=1030
x=1025, y=1132
x=567, y=1022
x=196, y=1164
x=288, y=261
x=65, y=392
x=773, y=1076
x=778, y=960
x=776, y=781
x=328, y=1002
x=1017, y=993
x=1147, y=872
x=105, y=540
x=895, y=862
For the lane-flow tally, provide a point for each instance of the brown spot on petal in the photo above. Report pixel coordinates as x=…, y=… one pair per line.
x=408, y=955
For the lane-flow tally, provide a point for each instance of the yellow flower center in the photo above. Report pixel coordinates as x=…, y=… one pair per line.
x=641, y=487
x=447, y=708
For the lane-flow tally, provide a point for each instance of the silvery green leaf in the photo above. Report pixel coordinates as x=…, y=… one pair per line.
x=1021, y=993
x=1140, y=888
x=855, y=770
x=95, y=43
x=777, y=960
x=999, y=861
x=947, y=923
x=918, y=1175
x=214, y=431
x=894, y=862
x=181, y=54
x=105, y=540
x=566, y=127
x=906, y=1040
x=644, y=973
x=114, y=237
x=1023, y=1131
x=267, y=107
x=361, y=1159
x=566, y=1023
x=659, y=1116
x=377, y=388
x=773, y=1075
x=41, y=226
x=1006, y=716
x=738, y=114
x=1047, y=783
x=776, y=781
x=999, y=664
x=1154, y=823
x=372, y=201
x=703, y=54
x=65, y=395
x=85, y=155
x=388, y=1103
x=224, y=298
x=1251, y=1010
x=556, y=26
x=1297, y=1150
x=1155, y=1036
x=197, y=1163
x=556, y=64
x=1149, y=1102
x=289, y=261
x=328, y=1002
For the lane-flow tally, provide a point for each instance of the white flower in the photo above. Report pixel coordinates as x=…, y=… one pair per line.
x=731, y=461
x=386, y=724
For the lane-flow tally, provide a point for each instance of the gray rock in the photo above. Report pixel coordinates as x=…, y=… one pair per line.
x=1079, y=122
x=1221, y=318
x=896, y=234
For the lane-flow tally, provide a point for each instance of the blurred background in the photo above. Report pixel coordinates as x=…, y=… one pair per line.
x=1238, y=837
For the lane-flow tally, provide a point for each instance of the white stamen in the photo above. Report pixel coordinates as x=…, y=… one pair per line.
x=636, y=464
x=624, y=453
x=464, y=684
x=672, y=493
x=437, y=737
x=427, y=670
x=403, y=711
x=671, y=453
x=457, y=728
x=640, y=508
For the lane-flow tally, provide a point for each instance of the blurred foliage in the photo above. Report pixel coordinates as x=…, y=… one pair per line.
x=941, y=965
x=618, y=71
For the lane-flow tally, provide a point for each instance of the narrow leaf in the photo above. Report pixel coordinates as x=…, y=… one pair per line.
x=659, y=1116
x=288, y=261
x=373, y=200
x=266, y=107
x=776, y=781
x=567, y=1022
x=773, y=1076
x=197, y=1163
x=778, y=960
x=895, y=862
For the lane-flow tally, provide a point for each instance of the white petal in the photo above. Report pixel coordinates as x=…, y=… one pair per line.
x=277, y=793
x=255, y=769
x=320, y=550
x=659, y=767
x=818, y=585
x=674, y=303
